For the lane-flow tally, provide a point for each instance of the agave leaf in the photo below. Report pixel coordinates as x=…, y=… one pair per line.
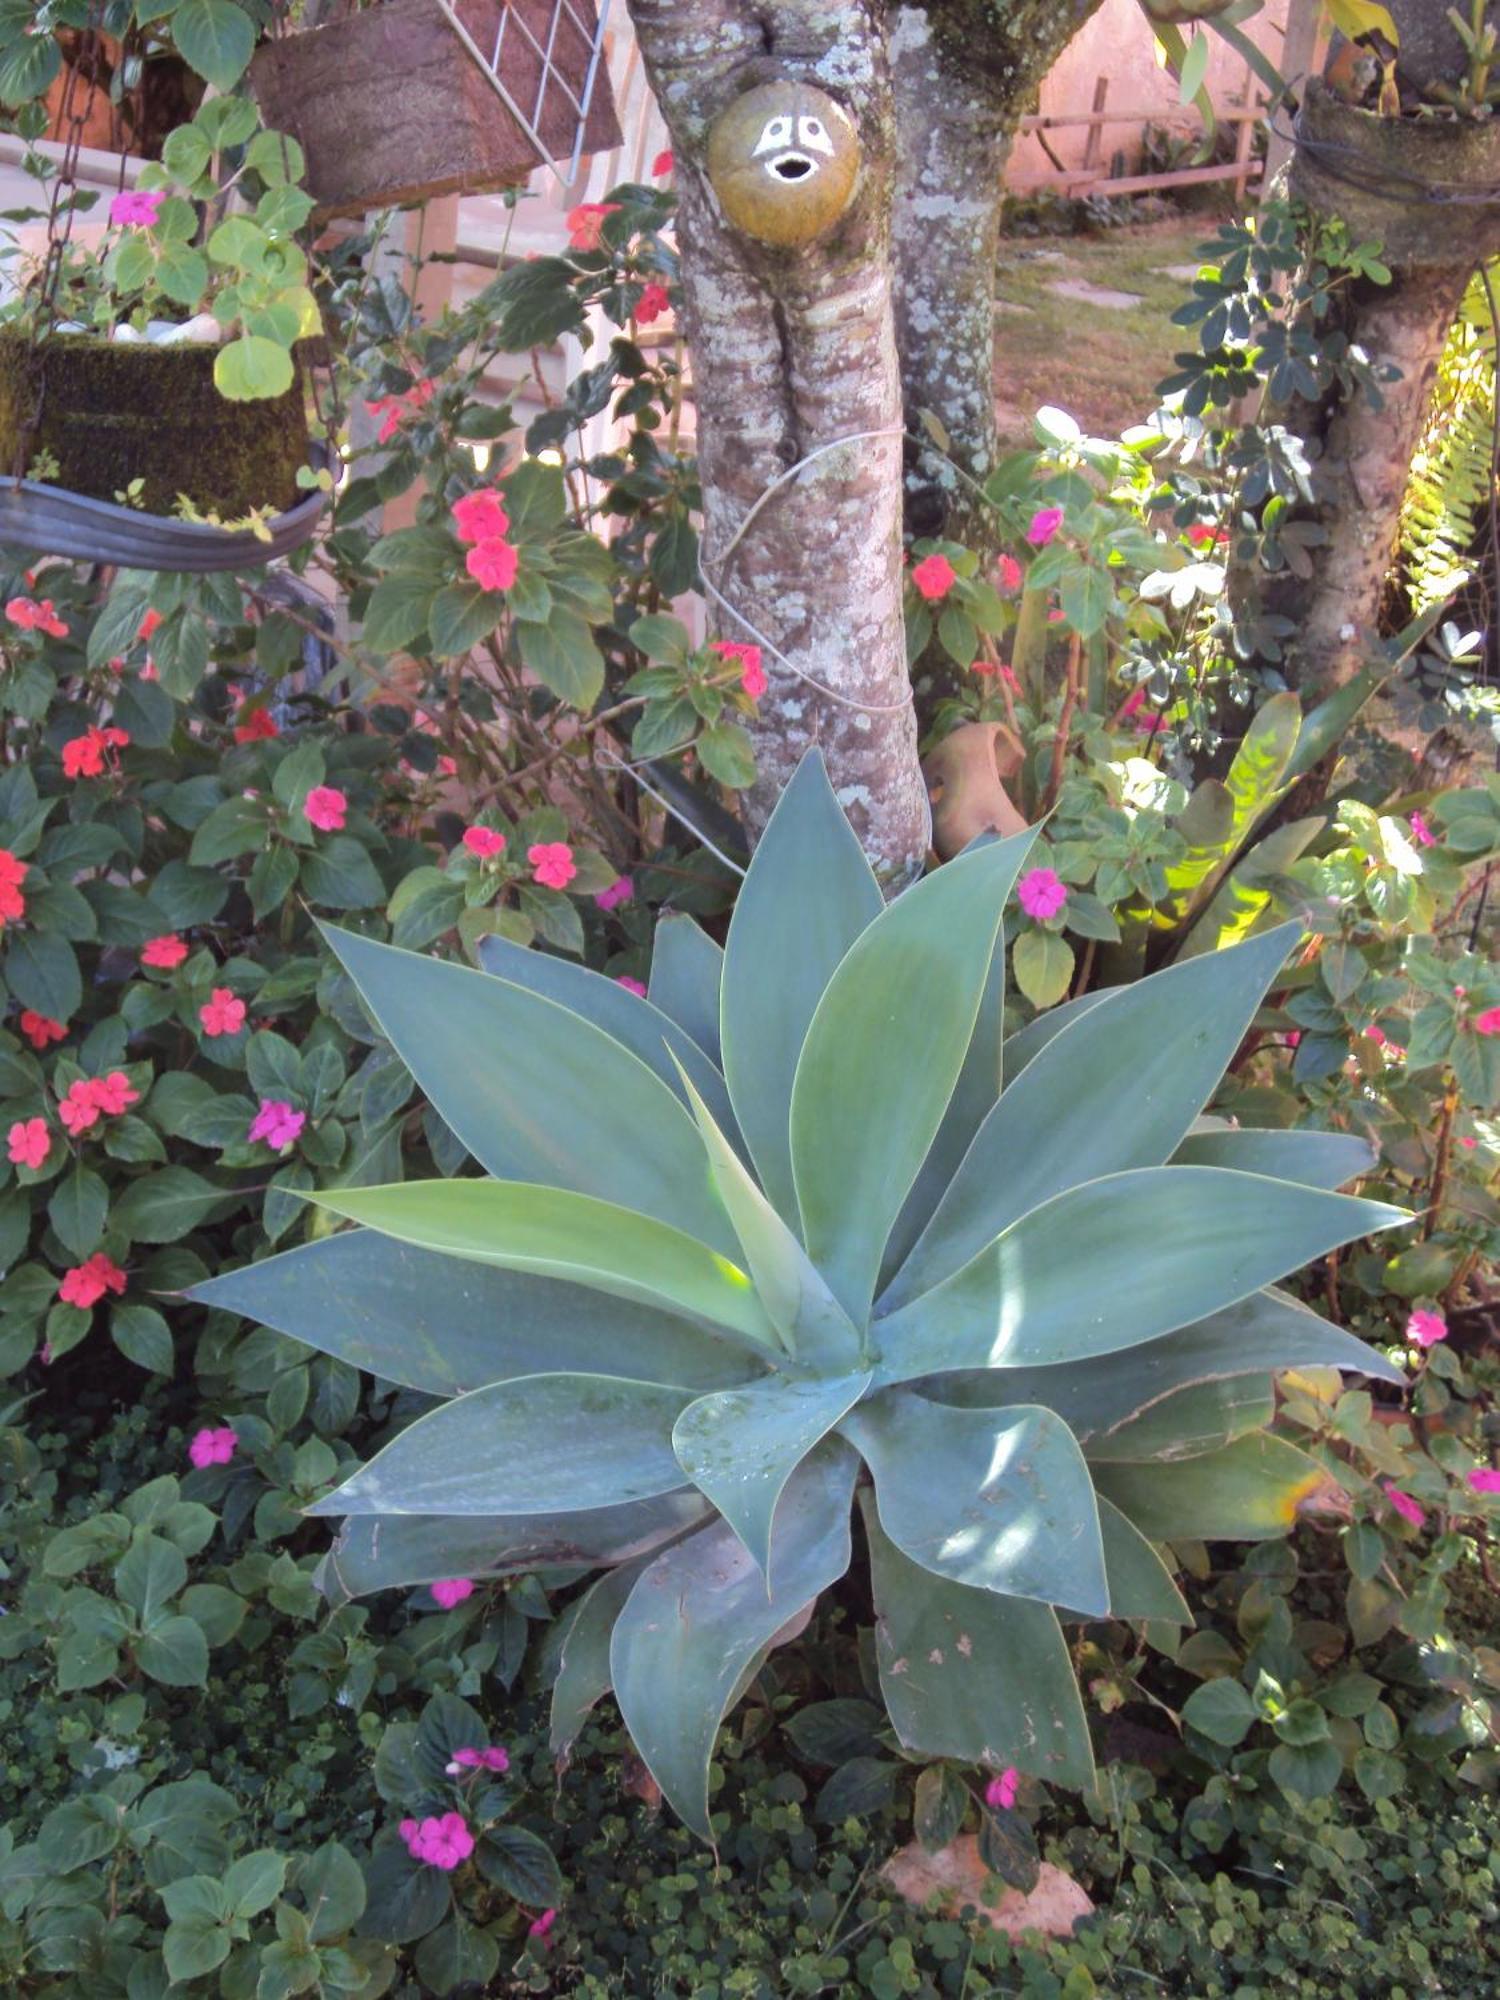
x=687, y=971
x=700, y=1613
x=555, y=1234
x=1243, y=900
x=583, y=1677
x=812, y=1322
x=1116, y=1262
x=1118, y=1088
x=447, y=1325
x=807, y=896
x=997, y=1499
x=390, y=1551
x=1140, y=1584
x=1269, y=1330
x=882, y=1056
x=544, y=1444
x=974, y=1096
x=1248, y=1492
x=971, y=1675
x=1311, y=1159
x=535, y=1092
x=1203, y=1417
x=741, y=1446
x=634, y=1023
x=1026, y=1044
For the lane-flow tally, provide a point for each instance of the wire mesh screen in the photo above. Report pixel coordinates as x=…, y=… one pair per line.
x=545, y=59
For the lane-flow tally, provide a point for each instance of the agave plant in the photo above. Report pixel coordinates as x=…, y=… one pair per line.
x=775, y=1240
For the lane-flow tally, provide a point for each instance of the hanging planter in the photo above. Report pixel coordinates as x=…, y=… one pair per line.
x=417, y=98
x=1426, y=189
x=100, y=415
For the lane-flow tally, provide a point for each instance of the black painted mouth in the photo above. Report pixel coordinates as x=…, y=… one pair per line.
x=792, y=166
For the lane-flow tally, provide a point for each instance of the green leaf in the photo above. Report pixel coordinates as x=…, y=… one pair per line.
x=970, y=1675
x=1043, y=964
x=446, y=1327
x=1202, y=1417
x=333, y=1890
x=41, y=970
x=1254, y=784
x=687, y=970
x=1140, y=1584
x=583, y=1676
x=537, y=1445
x=165, y=1206
x=1222, y=1711
x=1311, y=1159
x=252, y=367
x=555, y=1233
x=901, y=1006
x=253, y=1883
x=1117, y=1262
x=405, y=1898
x=807, y=896
x=1013, y=1511
x=218, y=1611
x=461, y=617
x=580, y=1112
x=399, y=608
x=174, y=1652
x=143, y=1336
x=726, y=753
x=1118, y=1087
x=523, y=1865
x=741, y=1446
x=340, y=875
x=700, y=1614
x=1248, y=1492
x=458, y=1958
x=78, y=1211
x=1308, y=1771
x=564, y=656
x=149, y=1575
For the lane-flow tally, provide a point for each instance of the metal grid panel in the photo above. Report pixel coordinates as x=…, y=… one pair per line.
x=552, y=83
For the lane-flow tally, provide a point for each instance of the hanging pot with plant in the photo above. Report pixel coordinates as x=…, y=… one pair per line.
x=409, y=99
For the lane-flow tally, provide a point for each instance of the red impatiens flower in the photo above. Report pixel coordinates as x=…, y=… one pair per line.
x=586, y=223
x=84, y=756
x=493, y=564
x=654, y=301
x=485, y=841
x=254, y=725
x=12, y=875
x=752, y=673
x=222, y=1013
x=29, y=1142
x=39, y=1029
x=552, y=863
x=87, y=1283
x=661, y=166
x=934, y=577
x=325, y=806
x=32, y=616
x=164, y=953
x=479, y=517
x=1487, y=1023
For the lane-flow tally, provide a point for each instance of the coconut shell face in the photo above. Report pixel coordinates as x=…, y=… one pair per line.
x=783, y=160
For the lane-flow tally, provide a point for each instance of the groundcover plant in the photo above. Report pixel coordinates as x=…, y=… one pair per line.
x=800, y=1235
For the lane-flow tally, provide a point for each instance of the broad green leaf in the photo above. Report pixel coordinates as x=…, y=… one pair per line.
x=970, y=1675
x=1254, y=783
x=1043, y=964
x=900, y=1009
x=1245, y=898
x=149, y=1575
x=534, y=1091
x=1248, y=1492
x=214, y=37
x=638, y=1025
x=1205, y=1416
x=1116, y=1262
x=445, y=1325
x=538, y=1445
x=997, y=1499
x=564, y=656
x=387, y=1551
x=1118, y=1088
x=700, y=1614
x=253, y=367
x=804, y=1312
x=687, y=972
x=174, y=1652
x=557, y=1234
x=583, y=1678
x=740, y=1446
x=1222, y=1711
x=806, y=897
x=1140, y=1584
x=1311, y=1159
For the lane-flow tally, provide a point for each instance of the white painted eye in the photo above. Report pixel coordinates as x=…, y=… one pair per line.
x=775, y=134
x=812, y=134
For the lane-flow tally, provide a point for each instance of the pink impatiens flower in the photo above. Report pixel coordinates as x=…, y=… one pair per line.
x=616, y=894
x=136, y=208
x=1484, y=1479
x=1426, y=1328
x=540, y=1926
x=480, y=517
x=451, y=1590
x=933, y=577
x=325, y=806
x=1000, y=1793
x=748, y=659
x=276, y=1125
x=1045, y=523
x=586, y=223
x=631, y=985
x=39, y=1029
x=1421, y=832
x=493, y=564
x=79, y=1109
x=163, y=952
x=552, y=863
x=661, y=166
x=1040, y=893
x=654, y=301
x=1487, y=1023
x=485, y=841
x=223, y=1013
x=29, y=1142
x=87, y=1283
x=492, y=1758
x=1405, y=1506
x=442, y=1842
x=1010, y=573
x=212, y=1446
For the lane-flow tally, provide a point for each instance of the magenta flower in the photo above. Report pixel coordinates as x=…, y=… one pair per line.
x=485, y=841
x=276, y=1125
x=442, y=1842
x=1405, y=1506
x=552, y=863
x=1426, y=1328
x=137, y=208
x=1040, y=893
x=539, y=1926
x=212, y=1446
x=480, y=517
x=1000, y=1793
x=325, y=806
x=451, y=1590
x=1045, y=523
x=1421, y=831
x=631, y=985
x=1010, y=573
x=1485, y=1479
x=1487, y=1023
x=616, y=894
x=492, y=1758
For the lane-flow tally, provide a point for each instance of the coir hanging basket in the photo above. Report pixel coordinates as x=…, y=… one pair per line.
x=394, y=105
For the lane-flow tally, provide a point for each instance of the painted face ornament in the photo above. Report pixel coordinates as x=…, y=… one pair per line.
x=783, y=160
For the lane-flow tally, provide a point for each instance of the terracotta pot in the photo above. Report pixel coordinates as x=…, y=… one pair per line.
x=109, y=414
x=390, y=107
x=1426, y=189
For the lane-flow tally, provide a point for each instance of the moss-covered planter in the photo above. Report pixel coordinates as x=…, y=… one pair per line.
x=1427, y=189
x=390, y=107
x=109, y=414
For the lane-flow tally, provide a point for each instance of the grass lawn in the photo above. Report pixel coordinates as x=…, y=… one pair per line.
x=1099, y=362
